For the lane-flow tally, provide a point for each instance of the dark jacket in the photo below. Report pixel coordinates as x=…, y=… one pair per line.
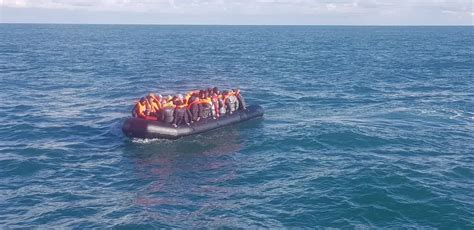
x=194, y=109
x=205, y=111
x=167, y=115
x=241, y=101
x=179, y=115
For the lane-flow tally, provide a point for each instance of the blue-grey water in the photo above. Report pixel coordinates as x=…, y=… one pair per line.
x=365, y=127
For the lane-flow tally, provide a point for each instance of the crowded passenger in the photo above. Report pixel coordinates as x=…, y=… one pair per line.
x=140, y=109
x=180, y=114
x=152, y=105
x=206, y=105
x=230, y=101
x=240, y=99
x=194, y=106
x=167, y=111
x=215, y=102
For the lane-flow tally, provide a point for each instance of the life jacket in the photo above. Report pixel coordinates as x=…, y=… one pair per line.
x=140, y=110
x=168, y=105
x=187, y=96
x=158, y=104
x=207, y=106
x=182, y=106
x=225, y=97
x=156, y=101
x=197, y=101
x=154, y=107
x=147, y=106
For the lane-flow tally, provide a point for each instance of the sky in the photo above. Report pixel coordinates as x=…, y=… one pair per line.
x=240, y=12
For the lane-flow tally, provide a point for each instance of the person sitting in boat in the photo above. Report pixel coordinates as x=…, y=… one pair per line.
x=222, y=108
x=206, y=104
x=156, y=99
x=200, y=104
x=194, y=106
x=231, y=102
x=188, y=95
x=180, y=114
x=188, y=111
x=139, y=109
x=152, y=107
x=167, y=110
x=212, y=111
x=215, y=102
x=240, y=99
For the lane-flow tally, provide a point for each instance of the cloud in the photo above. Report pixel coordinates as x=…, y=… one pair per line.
x=340, y=11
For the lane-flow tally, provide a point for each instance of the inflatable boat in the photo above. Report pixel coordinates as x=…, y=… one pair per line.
x=141, y=128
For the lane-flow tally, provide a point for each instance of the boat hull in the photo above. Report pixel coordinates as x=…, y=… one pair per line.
x=141, y=128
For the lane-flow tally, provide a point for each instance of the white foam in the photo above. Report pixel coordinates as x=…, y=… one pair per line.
x=148, y=140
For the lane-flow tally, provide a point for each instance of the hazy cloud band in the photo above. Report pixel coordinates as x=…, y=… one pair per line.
x=403, y=12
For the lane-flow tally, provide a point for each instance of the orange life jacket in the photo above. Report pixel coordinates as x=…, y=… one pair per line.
x=168, y=104
x=155, y=99
x=197, y=101
x=182, y=106
x=224, y=98
x=187, y=96
x=154, y=107
x=140, y=110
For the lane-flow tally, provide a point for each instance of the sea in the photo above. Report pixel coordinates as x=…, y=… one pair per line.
x=364, y=127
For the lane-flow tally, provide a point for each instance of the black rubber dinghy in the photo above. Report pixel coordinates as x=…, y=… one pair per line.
x=141, y=128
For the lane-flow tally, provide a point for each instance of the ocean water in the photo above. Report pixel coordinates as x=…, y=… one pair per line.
x=365, y=127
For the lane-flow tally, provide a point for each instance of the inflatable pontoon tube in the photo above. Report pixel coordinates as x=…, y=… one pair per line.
x=141, y=128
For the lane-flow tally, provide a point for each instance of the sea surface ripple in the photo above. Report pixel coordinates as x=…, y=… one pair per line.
x=365, y=127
